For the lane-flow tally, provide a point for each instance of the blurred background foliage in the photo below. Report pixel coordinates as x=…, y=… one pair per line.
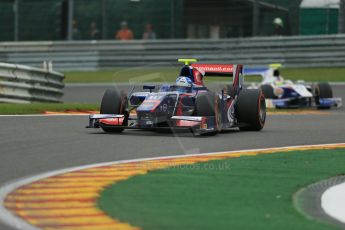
x=48, y=19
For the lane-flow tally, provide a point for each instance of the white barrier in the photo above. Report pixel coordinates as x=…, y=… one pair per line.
x=24, y=84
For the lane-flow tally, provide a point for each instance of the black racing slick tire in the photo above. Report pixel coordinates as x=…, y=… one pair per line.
x=268, y=91
x=251, y=110
x=113, y=102
x=322, y=90
x=205, y=106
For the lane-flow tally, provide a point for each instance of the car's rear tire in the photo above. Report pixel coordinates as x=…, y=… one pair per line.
x=205, y=106
x=322, y=90
x=113, y=102
x=268, y=91
x=251, y=110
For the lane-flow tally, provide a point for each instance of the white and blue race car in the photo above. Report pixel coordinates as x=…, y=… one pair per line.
x=281, y=93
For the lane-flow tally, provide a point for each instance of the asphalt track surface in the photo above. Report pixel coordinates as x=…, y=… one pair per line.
x=30, y=145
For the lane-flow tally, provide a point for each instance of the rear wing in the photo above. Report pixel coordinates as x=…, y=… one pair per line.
x=265, y=72
x=215, y=69
x=223, y=70
x=257, y=71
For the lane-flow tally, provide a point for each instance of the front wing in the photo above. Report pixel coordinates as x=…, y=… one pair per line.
x=303, y=102
x=199, y=125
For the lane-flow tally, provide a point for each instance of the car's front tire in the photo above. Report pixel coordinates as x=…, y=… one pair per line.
x=205, y=106
x=322, y=90
x=268, y=91
x=113, y=102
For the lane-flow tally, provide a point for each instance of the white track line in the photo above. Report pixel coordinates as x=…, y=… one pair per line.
x=333, y=202
x=13, y=221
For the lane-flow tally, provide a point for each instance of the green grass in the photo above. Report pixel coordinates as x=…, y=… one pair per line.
x=37, y=108
x=169, y=74
x=253, y=192
x=151, y=74
x=315, y=74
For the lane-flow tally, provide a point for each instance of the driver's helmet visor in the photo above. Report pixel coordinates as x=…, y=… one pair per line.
x=183, y=81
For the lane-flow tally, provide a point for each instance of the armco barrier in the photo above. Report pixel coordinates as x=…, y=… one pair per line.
x=295, y=51
x=23, y=84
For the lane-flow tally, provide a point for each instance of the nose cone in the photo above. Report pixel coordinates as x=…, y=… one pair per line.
x=148, y=106
x=151, y=102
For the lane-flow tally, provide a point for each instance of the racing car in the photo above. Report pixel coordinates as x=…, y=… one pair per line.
x=187, y=104
x=280, y=93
